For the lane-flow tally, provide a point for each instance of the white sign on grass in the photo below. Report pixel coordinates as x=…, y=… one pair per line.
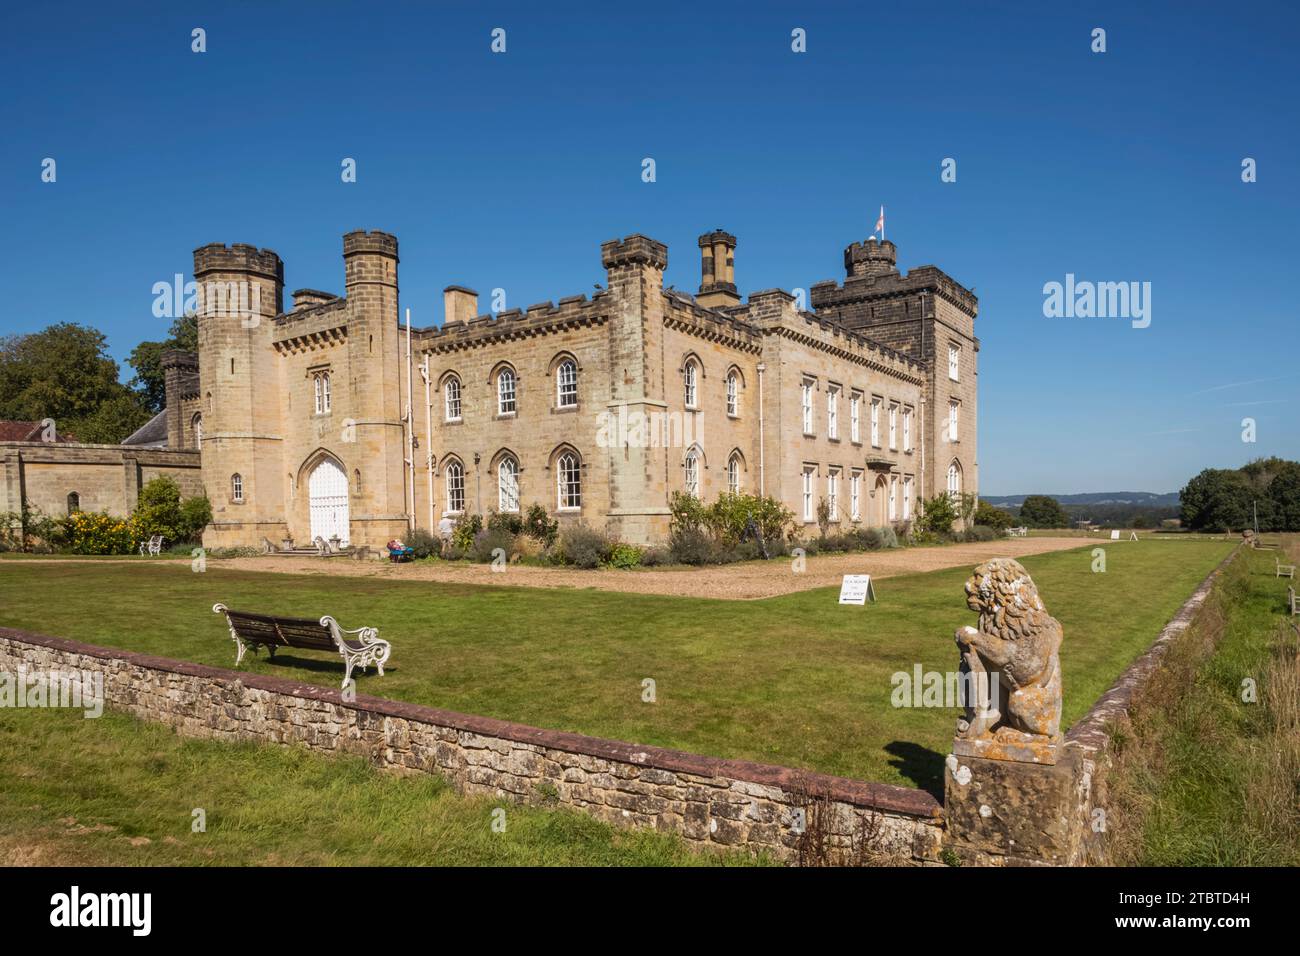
x=857, y=589
x=1114, y=536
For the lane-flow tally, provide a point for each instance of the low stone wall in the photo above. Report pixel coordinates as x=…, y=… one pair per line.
x=707, y=800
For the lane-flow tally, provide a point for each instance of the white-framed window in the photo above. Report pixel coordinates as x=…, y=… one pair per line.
x=808, y=513
x=733, y=394
x=692, y=469
x=833, y=493
x=806, y=400
x=506, y=392
x=954, y=482
x=855, y=495
x=691, y=382
x=954, y=362
x=321, y=385
x=907, y=429
x=893, y=499
x=954, y=410
x=832, y=412
x=455, y=479
x=508, y=485
x=566, y=384
x=236, y=487
x=568, y=474
x=893, y=427
x=196, y=423
x=907, y=497
x=451, y=399
x=855, y=426
x=733, y=474
x=875, y=422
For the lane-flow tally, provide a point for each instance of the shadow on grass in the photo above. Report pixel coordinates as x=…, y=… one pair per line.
x=921, y=765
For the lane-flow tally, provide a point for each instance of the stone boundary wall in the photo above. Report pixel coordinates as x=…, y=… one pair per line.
x=707, y=800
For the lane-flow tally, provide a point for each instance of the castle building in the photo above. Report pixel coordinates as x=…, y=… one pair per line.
x=332, y=420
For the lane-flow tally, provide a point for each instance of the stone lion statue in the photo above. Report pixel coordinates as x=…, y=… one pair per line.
x=1016, y=647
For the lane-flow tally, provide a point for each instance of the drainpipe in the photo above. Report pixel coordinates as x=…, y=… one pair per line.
x=762, y=475
x=408, y=458
x=428, y=433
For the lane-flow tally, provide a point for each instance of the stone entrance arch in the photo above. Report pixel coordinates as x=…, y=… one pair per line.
x=327, y=491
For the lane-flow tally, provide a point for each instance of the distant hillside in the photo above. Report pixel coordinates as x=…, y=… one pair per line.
x=1148, y=499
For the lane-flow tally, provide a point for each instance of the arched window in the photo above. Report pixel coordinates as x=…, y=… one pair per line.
x=506, y=392
x=455, y=477
x=74, y=502
x=692, y=464
x=691, y=381
x=954, y=480
x=568, y=473
x=508, y=485
x=733, y=394
x=566, y=384
x=321, y=384
x=236, y=487
x=196, y=425
x=733, y=473
x=451, y=399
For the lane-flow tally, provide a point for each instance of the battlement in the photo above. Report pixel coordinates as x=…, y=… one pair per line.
x=375, y=242
x=870, y=258
x=237, y=258
x=541, y=318
x=310, y=298
x=632, y=250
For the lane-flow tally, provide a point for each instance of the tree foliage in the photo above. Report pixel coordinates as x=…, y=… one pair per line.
x=146, y=359
x=1223, y=499
x=1043, y=511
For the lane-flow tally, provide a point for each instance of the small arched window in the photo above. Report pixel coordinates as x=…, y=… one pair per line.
x=196, y=426
x=568, y=472
x=733, y=474
x=692, y=468
x=451, y=399
x=455, y=477
x=508, y=485
x=691, y=381
x=236, y=487
x=74, y=502
x=506, y=392
x=566, y=384
x=733, y=394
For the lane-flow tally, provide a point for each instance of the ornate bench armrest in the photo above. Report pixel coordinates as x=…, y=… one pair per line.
x=365, y=649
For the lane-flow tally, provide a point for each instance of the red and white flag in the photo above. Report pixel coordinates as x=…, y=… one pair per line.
x=880, y=224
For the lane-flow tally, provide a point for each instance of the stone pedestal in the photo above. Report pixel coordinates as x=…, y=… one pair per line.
x=1006, y=812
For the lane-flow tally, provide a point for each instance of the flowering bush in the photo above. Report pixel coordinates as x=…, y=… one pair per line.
x=96, y=532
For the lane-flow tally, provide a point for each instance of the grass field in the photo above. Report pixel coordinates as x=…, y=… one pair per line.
x=117, y=791
x=796, y=680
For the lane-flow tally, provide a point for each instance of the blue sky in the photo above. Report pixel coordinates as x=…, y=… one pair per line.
x=508, y=170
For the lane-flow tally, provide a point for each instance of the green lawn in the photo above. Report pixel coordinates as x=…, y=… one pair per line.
x=796, y=680
x=117, y=791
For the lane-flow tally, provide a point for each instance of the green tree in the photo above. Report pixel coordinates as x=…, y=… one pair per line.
x=987, y=514
x=1217, y=499
x=146, y=359
x=1284, y=498
x=1043, y=511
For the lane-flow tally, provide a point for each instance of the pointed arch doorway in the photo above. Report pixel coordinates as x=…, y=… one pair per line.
x=327, y=490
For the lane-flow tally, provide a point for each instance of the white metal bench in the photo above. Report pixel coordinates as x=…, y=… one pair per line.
x=1020, y=532
x=1284, y=570
x=264, y=630
x=1291, y=602
x=152, y=546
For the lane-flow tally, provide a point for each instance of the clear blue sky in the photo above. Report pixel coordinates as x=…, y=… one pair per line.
x=509, y=170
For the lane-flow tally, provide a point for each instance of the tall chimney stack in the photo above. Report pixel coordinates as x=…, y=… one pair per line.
x=718, y=270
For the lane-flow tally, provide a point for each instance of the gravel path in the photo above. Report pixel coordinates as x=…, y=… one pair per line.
x=739, y=582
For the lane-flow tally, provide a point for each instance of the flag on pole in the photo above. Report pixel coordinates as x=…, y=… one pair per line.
x=880, y=224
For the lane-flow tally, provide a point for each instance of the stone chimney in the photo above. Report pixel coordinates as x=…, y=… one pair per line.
x=718, y=270
x=459, y=304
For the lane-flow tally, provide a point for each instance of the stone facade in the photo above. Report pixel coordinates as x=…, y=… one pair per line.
x=598, y=408
x=708, y=801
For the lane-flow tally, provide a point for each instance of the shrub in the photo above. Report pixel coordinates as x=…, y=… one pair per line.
x=467, y=526
x=729, y=517
x=159, y=511
x=95, y=532
x=492, y=543
x=654, y=557
x=688, y=514
x=998, y=518
x=888, y=537
x=982, y=532
x=583, y=547
x=527, y=547
x=540, y=526
x=196, y=514
x=424, y=544
x=692, y=546
x=625, y=556
x=937, y=514
x=505, y=521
